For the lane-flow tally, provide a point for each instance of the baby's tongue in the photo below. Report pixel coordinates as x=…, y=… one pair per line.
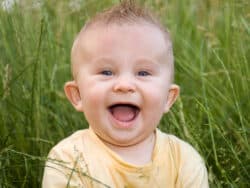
x=124, y=113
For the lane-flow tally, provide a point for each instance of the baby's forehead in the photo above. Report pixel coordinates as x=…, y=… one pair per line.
x=136, y=33
x=144, y=39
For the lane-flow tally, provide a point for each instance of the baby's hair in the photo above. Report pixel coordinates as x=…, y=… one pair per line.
x=129, y=12
x=126, y=12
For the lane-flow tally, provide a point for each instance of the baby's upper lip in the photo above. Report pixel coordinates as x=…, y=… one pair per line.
x=134, y=105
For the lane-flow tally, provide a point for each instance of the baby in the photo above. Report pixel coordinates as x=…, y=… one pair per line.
x=122, y=64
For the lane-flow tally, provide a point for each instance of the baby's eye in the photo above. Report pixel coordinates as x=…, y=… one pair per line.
x=106, y=73
x=143, y=73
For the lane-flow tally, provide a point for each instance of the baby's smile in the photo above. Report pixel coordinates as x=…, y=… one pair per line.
x=124, y=113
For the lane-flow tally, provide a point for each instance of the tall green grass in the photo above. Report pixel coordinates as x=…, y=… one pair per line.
x=212, y=51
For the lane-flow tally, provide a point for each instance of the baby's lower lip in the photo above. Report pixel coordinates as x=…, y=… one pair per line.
x=122, y=124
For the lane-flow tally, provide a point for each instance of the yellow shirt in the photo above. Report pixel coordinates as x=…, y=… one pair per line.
x=82, y=160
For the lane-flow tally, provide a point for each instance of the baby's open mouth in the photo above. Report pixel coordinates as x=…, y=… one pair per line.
x=124, y=112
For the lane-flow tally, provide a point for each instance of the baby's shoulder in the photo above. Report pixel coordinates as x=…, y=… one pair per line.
x=180, y=149
x=69, y=146
x=189, y=165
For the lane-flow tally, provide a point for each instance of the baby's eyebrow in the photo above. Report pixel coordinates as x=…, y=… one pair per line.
x=146, y=61
x=106, y=60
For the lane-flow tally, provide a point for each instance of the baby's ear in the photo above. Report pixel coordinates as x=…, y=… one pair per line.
x=173, y=93
x=72, y=92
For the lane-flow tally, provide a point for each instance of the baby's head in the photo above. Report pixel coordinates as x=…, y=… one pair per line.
x=127, y=13
x=122, y=64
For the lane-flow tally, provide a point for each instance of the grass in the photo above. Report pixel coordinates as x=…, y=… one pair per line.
x=211, y=46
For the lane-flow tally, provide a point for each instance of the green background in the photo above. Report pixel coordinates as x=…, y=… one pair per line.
x=211, y=46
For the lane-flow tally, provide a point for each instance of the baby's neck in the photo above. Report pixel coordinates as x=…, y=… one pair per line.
x=138, y=154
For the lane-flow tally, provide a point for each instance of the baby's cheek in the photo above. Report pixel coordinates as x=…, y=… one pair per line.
x=93, y=98
x=157, y=100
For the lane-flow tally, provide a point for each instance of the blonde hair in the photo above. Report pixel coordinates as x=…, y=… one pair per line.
x=129, y=12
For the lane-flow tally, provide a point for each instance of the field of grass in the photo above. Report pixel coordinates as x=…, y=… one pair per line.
x=212, y=53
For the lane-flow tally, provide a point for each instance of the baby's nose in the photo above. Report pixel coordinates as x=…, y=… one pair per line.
x=124, y=84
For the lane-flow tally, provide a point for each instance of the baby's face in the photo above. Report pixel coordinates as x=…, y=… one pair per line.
x=123, y=79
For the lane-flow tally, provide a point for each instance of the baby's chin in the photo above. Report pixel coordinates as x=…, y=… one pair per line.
x=119, y=142
x=122, y=140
